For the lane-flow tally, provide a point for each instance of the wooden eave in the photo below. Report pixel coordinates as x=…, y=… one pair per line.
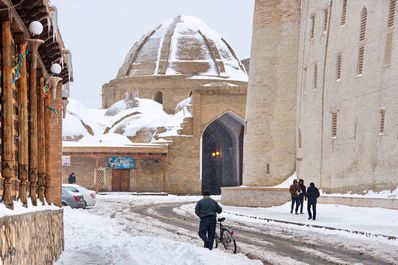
x=39, y=10
x=138, y=151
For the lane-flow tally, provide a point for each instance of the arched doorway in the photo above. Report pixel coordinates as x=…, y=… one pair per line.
x=222, y=153
x=158, y=97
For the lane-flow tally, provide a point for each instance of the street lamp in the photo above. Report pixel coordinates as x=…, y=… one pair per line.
x=35, y=28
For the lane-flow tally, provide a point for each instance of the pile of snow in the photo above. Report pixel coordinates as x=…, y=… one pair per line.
x=111, y=127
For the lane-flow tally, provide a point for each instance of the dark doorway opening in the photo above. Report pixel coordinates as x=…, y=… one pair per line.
x=222, y=153
x=158, y=97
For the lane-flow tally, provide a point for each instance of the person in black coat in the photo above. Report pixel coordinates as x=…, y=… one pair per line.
x=206, y=209
x=312, y=196
x=302, y=194
x=72, y=178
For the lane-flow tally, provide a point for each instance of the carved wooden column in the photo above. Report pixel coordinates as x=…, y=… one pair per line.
x=8, y=121
x=49, y=101
x=23, y=128
x=33, y=162
x=41, y=154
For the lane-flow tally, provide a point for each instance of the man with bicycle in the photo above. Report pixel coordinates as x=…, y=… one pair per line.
x=206, y=209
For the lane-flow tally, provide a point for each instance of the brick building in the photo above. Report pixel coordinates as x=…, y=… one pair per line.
x=322, y=97
x=181, y=64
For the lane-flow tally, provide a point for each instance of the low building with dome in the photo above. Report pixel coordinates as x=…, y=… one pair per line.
x=193, y=75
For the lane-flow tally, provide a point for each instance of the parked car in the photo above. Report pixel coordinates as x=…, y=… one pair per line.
x=88, y=195
x=72, y=198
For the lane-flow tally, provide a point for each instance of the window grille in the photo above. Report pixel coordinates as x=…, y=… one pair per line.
x=382, y=118
x=325, y=20
x=362, y=32
x=361, y=54
x=344, y=13
x=101, y=173
x=338, y=66
x=334, y=124
x=300, y=138
x=315, y=76
x=312, y=26
x=391, y=14
x=388, y=49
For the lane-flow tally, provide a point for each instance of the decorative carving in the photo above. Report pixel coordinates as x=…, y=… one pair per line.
x=42, y=187
x=33, y=185
x=23, y=185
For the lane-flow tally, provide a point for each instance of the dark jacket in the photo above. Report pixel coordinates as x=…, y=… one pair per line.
x=303, y=190
x=294, y=190
x=312, y=194
x=207, y=207
x=71, y=179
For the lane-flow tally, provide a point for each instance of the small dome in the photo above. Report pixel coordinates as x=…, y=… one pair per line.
x=183, y=45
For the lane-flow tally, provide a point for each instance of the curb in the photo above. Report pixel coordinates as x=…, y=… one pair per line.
x=368, y=234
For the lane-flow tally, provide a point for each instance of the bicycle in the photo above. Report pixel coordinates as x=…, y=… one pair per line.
x=226, y=239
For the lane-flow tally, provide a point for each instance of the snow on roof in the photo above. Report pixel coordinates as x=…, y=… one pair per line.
x=190, y=47
x=121, y=120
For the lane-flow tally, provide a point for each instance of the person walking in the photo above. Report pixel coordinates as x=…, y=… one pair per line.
x=302, y=194
x=295, y=193
x=312, y=196
x=206, y=209
x=72, y=178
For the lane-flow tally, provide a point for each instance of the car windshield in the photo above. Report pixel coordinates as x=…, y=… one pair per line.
x=72, y=189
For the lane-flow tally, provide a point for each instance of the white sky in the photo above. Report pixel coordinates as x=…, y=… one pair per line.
x=99, y=33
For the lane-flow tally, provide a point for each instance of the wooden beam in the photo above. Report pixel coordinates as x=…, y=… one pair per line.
x=165, y=180
x=47, y=144
x=137, y=175
x=41, y=145
x=8, y=119
x=96, y=176
x=33, y=162
x=23, y=151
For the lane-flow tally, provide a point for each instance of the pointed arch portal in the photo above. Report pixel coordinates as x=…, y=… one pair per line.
x=222, y=153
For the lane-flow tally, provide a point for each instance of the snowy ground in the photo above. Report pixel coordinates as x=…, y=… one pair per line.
x=109, y=234
x=99, y=236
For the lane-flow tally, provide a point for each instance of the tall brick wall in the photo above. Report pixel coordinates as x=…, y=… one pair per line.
x=269, y=152
x=358, y=158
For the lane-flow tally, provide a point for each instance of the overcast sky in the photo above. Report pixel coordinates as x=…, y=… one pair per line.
x=99, y=33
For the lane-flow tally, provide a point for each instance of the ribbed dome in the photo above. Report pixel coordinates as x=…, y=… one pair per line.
x=183, y=46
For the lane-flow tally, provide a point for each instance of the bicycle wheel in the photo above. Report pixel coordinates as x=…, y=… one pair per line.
x=228, y=241
x=216, y=240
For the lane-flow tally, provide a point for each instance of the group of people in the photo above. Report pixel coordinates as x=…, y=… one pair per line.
x=207, y=209
x=299, y=193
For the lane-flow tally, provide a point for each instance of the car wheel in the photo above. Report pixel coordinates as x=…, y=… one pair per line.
x=64, y=204
x=85, y=204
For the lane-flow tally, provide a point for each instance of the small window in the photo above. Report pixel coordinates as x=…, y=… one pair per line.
x=391, y=14
x=334, y=124
x=312, y=26
x=338, y=66
x=325, y=20
x=362, y=32
x=382, y=118
x=300, y=139
x=344, y=13
x=361, y=54
x=315, y=76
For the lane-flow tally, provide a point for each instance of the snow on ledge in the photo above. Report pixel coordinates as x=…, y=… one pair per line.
x=19, y=209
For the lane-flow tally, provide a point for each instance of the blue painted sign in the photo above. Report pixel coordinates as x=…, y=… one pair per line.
x=121, y=162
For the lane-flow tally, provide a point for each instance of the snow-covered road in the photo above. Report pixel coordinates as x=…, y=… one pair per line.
x=156, y=230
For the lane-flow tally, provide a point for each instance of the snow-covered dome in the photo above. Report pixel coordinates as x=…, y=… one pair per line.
x=183, y=45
